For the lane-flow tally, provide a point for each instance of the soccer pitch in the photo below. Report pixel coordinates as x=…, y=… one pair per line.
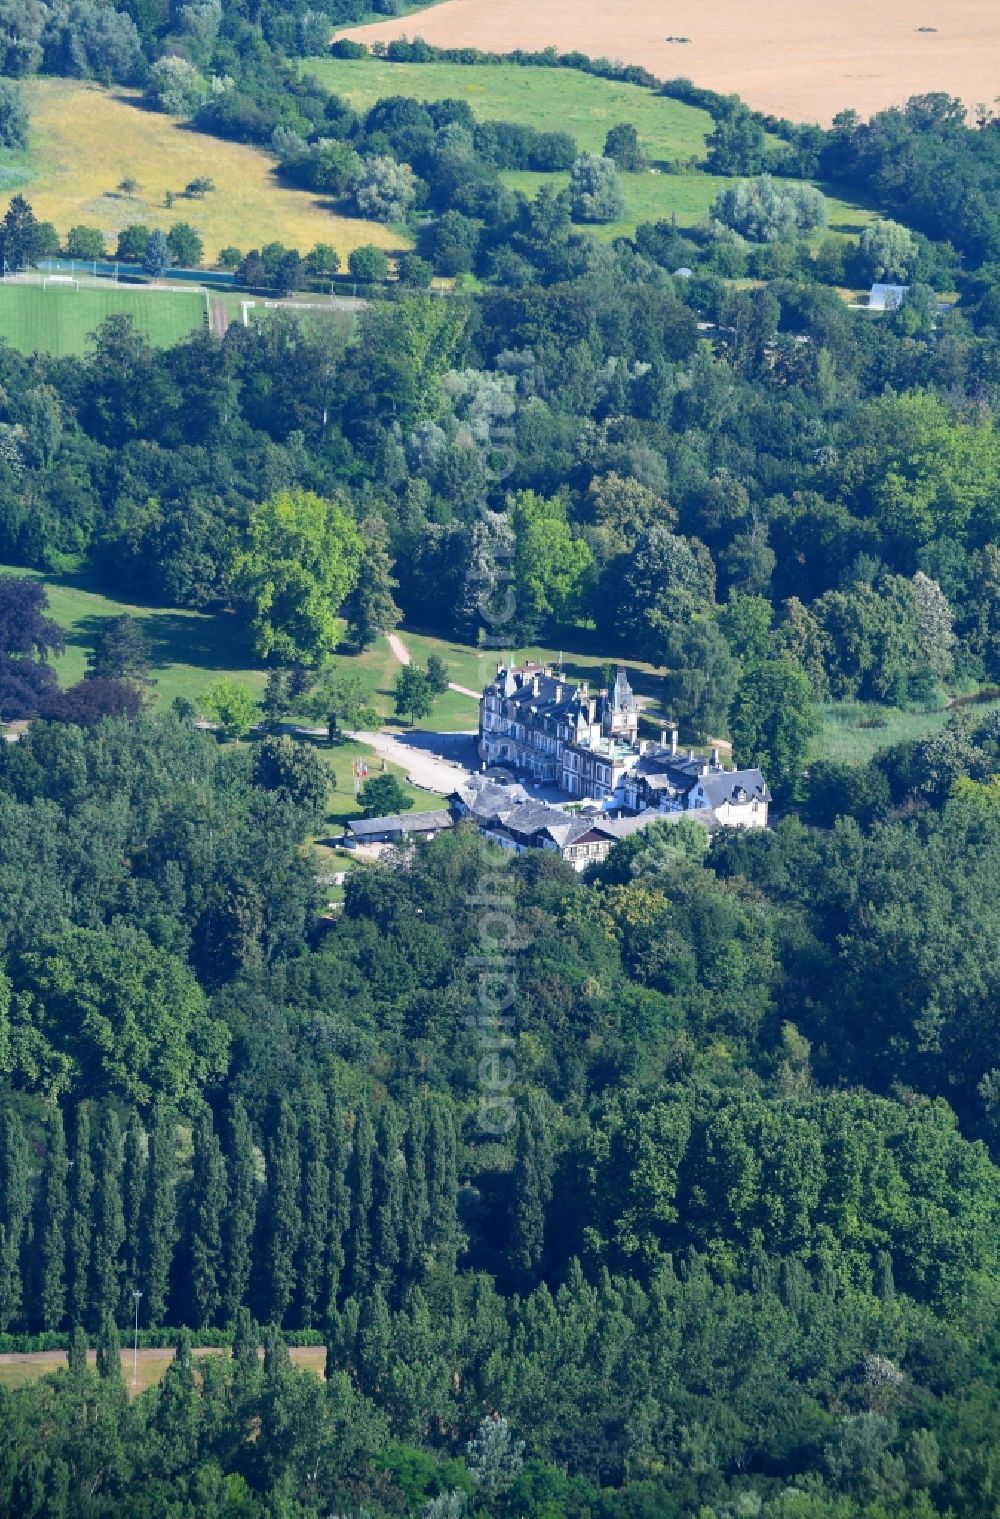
x=59, y=319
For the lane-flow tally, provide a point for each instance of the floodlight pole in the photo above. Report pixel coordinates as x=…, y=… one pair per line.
x=136, y=1295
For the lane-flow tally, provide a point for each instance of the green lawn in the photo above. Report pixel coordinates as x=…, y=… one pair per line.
x=60, y=319
x=548, y=99
x=342, y=803
x=657, y=197
x=191, y=650
x=472, y=667
x=566, y=100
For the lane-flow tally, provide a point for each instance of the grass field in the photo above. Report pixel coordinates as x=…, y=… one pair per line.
x=547, y=99
x=60, y=319
x=85, y=140
x=191, y=650
x=342, y=803
x=851, y=732
x=15, y=170
x=472, y=667
x=688, y=196
x=565, y=100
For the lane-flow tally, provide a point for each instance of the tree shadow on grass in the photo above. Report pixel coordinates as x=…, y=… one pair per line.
x=210, y=642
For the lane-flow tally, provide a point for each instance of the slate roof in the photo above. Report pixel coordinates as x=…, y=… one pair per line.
x=559, y=700
x=363, y=828
x=532, y=818
x=721, y=786
x=679, y=774
x=486, y=798
x=413, y=822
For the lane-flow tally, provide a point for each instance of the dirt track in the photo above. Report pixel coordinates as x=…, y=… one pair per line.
x=805, y=60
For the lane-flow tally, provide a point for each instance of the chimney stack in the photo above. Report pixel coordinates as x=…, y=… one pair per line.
x=536, y=685
x=673, y=741
x=715, y=759
x=663, y=738
x=560, y=690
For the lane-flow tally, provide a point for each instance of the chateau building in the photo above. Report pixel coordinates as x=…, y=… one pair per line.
x=537, y=724
x=547, y=730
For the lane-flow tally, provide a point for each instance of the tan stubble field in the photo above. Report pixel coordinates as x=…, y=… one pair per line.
x=806, y=61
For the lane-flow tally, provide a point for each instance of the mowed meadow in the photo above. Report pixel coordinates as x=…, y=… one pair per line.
x=564, y=100
x=85, y=140
x=549, y=100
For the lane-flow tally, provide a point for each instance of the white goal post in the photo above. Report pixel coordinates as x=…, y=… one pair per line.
x=61, y=281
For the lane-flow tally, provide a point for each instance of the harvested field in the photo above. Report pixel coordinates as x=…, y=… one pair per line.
x=806, y=62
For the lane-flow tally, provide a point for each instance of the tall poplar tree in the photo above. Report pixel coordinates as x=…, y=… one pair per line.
x=206, y=1209
x=108, y=1218
x=241, y=1209
x=444, y=1235
x=315, y=1207
x=81, y=1194
x=109, y=1350
x=51, y=1219
x=416, y=1206
x=76, y=1353
x=532, y=1191
x=133, y=1192
x=284, y=1215
x=359, y=1239
x=14, y=1202
x=158, y=1222
x=374, y=1342
x=387, y=1198
x=338, y=1215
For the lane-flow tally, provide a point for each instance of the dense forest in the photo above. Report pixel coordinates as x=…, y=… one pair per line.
x=666, y=1190
x=738, y=1247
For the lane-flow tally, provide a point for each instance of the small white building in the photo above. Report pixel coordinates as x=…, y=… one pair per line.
x=664, y=781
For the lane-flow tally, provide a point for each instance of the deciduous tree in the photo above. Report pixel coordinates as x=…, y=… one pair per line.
x=303, y=561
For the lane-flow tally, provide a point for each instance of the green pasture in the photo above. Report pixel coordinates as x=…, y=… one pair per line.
x=652, y=197
x=550, y=100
